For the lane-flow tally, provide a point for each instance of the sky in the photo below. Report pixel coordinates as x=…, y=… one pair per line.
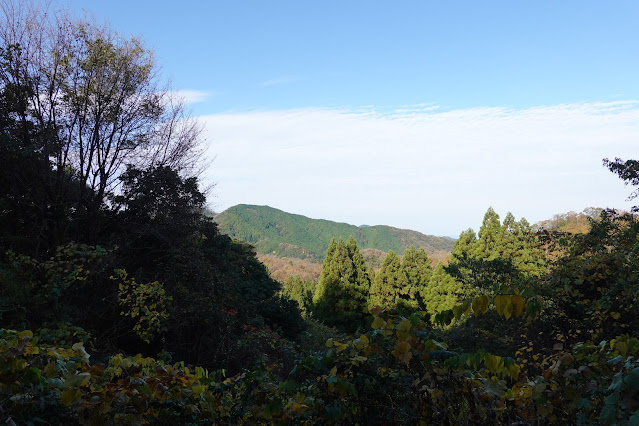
x=414, y=114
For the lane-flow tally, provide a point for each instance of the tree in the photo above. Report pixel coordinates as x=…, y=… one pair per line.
x=628, y=171
x=341, y=294
x=504, y=254
x=398, y=285
x=301, y=290
x=96, y=101
x=442, y=292
x=416, y=267
x=490, y=237
x=388, y=283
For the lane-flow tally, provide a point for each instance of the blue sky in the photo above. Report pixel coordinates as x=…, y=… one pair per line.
x=416, y=114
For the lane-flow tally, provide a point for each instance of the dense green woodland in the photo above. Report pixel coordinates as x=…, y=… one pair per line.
x=274, y=231
x=122, y=303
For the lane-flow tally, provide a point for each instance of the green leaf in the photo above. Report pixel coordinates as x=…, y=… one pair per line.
x=632, y=379
x=615, y=360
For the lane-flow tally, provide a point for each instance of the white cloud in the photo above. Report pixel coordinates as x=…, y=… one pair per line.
x=423, y=168
x=193, y=96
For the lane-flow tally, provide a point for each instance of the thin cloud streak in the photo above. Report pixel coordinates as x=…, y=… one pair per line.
x=193, y=96
x=280, y=80
x=421, y=167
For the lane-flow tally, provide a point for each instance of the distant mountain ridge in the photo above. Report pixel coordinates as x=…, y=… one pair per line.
x=274, y=231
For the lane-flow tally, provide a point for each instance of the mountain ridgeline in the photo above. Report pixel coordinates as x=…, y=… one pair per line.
x=274, y=231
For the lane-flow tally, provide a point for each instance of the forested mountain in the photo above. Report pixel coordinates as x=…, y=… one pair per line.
x=274, y=231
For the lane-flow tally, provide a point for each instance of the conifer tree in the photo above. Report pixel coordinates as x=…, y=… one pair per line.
x=360, y=277
x=417, y=269
x=388, y=283
x=443, y=291
x=505, y=253
x=341, y=295
x=464, y=244
x=491, y=237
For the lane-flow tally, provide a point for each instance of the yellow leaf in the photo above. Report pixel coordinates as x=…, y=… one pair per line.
x=458, y=311
x=402, y=335
x=341, y=346
x=508, y=309
x=386, y=332
x=476, y=306
x=402, y=352
x=485, y=302
x=378, y=323
x=68, y=397
x=499, y=302
x=402, y=347
x=405, y=325
x=492, y=362
x=480, y=305
x=365, y=340
x=518, y=304
x=49, y=370
x=621, y=347
x=466, y=304
x=24, y=334
x=513, y=371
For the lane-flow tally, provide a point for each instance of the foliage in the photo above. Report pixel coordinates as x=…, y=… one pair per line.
x=341, y=295
x=146, y=304
x=596, y=281
x=389, y=281
x=394, y=373
x=501, y=254
x=83, y=103
x=417, y=268
x=442, y=291
x=571, y=222
x=273, y=231
x=628, y=171
x=301, y=291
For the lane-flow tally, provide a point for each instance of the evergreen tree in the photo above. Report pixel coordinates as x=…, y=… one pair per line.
x=491, y=237
x=464, y=244
x=300, y=290
x=341, y=295
x=388, y=284
x=503, y=254
x=443, y=291
x=417, y=269
x=360, y=277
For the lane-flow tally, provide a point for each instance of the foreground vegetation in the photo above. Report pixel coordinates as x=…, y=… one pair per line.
x=121, y=303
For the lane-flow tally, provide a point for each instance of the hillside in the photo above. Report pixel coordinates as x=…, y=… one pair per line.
x=571, y=222
x=283, y=234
